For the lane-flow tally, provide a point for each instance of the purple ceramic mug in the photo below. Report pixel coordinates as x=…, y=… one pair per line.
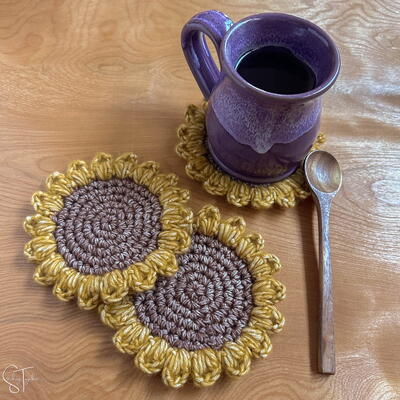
x=255, y=135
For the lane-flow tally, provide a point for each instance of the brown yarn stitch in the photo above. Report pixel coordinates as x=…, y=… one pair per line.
x=107, y=225
x=206, y=304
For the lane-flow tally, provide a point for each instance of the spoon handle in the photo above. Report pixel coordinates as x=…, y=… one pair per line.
x=326, y=354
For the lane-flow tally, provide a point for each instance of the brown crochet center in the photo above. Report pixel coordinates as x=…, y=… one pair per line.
x=207, y=303
x=107, y=225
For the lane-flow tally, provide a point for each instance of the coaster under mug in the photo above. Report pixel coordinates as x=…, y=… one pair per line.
x=192, y=147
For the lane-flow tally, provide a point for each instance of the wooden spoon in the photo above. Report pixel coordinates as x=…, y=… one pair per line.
x=325, y=178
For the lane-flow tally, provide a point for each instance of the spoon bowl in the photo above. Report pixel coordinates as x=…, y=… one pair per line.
x=323, y=172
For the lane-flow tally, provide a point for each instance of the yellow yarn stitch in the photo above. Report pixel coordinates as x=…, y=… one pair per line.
x=112, y=287
x=191, y=148
x=153, y=354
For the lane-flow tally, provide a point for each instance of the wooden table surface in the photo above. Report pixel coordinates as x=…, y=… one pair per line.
x=78, y=77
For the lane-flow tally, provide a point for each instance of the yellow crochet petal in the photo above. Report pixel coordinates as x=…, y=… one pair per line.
x=131, y=338
x=195, y=115
x=114, y=286
x=190, y=133
x=47, y=204
x=207, y=220
x=177, y=216
x=321, y=138
x=39, y=225
x=261, y=318
x=286, y=202
x=264, y=264
x=199, y=168
x=140, y=277
x=206, y=366
x=174, y=195
x=66, y=284
x=47, y=271
x=117, y=315
x=88, y=292
x=193, y=147
x=194, y=138
x=254, y=340
x=278, y=320
x=268, y=291
x=40, y=247
x=262, y=197
x=285, y=197
x=249, y=245
x=230, y=230
x=151, y=357
x=239, y=194
x=175, y=240
x=163, y=261
x=176, y=369
x=162, y=182
x=266, y=345
x=266, y=319
x=144, y=173
x=236, y=359
x=102, y=166
x=218, y=183
x=80, y=173
x=297, y=183
x=124, y=165
x=182, y=132
x=60, y=184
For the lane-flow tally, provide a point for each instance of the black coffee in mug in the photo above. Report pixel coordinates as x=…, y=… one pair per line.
x=275, y=69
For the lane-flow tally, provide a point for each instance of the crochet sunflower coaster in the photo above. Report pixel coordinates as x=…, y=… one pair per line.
x=191, y=147
x=213, y=316
x=108, y=229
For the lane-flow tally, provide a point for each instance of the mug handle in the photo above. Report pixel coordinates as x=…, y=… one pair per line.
x=214, y=24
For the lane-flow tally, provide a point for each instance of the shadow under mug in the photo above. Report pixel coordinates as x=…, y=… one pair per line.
x=254, y=135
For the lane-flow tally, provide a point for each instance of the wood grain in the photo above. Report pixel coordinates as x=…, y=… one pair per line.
x=77, y=77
